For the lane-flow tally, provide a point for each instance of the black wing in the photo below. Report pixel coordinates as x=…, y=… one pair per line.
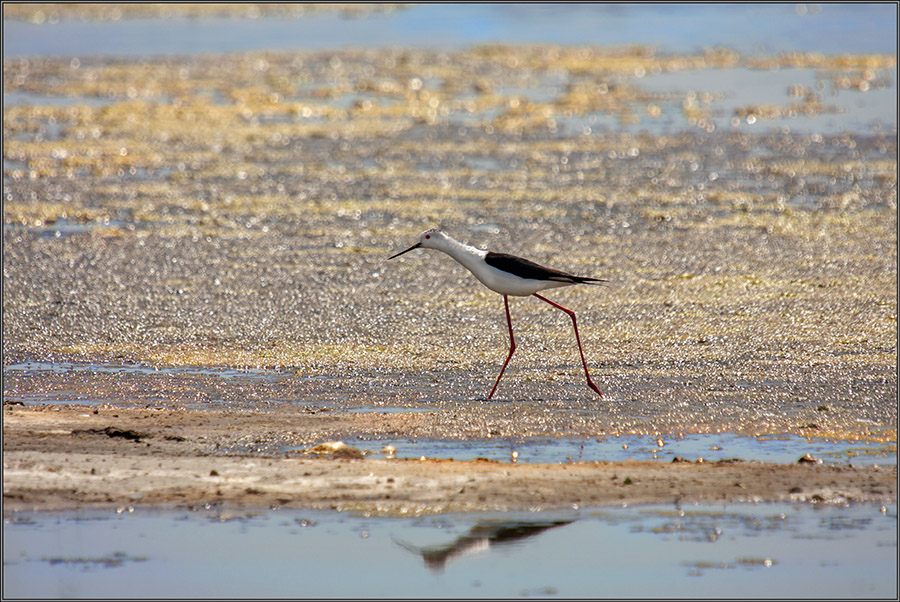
x=523, y=268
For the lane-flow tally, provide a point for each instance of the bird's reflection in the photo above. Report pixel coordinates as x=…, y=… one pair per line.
x=480, y=537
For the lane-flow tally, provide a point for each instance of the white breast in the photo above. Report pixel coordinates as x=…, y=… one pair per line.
x=508, y=284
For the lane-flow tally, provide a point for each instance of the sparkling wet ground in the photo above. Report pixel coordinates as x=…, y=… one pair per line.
x=777, y=550
x=211, y=230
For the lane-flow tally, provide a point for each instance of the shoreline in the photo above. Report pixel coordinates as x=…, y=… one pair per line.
x=69, y=458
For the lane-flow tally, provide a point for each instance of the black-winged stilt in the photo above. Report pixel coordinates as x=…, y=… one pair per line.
x=507, y=275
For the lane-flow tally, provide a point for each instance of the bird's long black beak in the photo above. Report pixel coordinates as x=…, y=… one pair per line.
x=415, y=246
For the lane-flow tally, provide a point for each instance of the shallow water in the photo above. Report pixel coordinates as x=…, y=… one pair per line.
x=747, y=29
x=729, y=90
x=673, y=28
x=778, y=449
x=657, y=551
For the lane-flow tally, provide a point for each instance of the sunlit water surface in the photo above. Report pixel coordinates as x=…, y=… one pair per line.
x=747, y=28
x=657, y=551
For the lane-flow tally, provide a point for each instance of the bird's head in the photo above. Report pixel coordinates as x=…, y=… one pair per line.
x=429, y=239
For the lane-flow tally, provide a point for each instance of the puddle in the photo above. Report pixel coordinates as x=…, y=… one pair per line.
x=777, y=550
x=63, y=227
x=37, y=383
x=391, y=410
x=778, y=449
x=66, y=367
x=741, y=88
x=29, y=98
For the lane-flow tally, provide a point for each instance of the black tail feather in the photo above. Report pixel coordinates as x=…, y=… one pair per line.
x=586, y=280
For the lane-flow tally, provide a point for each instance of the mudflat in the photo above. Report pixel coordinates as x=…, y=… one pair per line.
x=195, y=276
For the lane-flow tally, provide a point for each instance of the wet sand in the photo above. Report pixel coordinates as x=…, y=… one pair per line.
x=235, y=212
x=63, y=458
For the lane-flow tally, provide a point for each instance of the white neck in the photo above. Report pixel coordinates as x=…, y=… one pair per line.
x=469, y=256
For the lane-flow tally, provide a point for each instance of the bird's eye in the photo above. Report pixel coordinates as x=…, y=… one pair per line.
x=427, y=236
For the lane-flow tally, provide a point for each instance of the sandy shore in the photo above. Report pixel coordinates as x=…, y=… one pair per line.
x=71, y=457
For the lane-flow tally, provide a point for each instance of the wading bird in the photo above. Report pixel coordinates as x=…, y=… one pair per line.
x=507, y=275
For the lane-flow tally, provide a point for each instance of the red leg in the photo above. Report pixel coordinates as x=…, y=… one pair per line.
x=577, y=338
x=512, y=345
